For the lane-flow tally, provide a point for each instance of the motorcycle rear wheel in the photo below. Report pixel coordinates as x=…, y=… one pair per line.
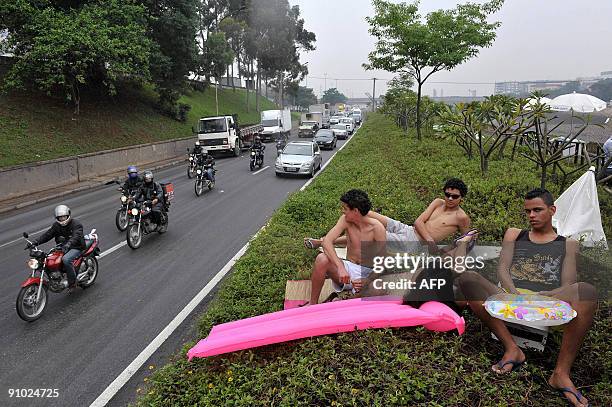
x=28, y=294
x=92, y=270
x=134, y=239
x=199, y=187
x=121, y=220
x=252, y=165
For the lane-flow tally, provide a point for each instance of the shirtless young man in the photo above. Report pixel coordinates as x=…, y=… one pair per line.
x=441, y=219
x=541, y=261
x=359, y=229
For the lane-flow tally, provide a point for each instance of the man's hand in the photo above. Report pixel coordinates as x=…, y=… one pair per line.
x=343, y=275
x=153, y=202
x=358, y=284
x=29, y=245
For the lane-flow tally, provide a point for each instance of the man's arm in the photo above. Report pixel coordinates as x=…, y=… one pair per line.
x=569, y=272
x=464, y=223
x=505, y=260
x=330, y=252
x=419, y=224
x=45, y=237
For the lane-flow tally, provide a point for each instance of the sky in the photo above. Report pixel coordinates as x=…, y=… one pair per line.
x=538, y=39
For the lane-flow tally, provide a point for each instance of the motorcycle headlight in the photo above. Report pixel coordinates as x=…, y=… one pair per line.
x=33, y=264
x=190, y=158
x=198, y=171
x=252, y=152
x=134, y=211
x=123, y=198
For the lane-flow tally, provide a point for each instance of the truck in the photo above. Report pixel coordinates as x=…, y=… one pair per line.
x=324, y=110
x=276, y=125
x=310, y=123
x=223, y=134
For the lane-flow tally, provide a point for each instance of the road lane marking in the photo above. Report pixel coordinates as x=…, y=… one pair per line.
x=137, y=363
x=16, y=240
x=257, y=172
x=112, y=249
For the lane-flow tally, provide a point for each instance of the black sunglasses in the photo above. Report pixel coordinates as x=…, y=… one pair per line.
x=449, y=195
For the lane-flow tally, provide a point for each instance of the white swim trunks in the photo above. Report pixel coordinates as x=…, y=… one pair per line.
x=356, y=272
x=403, y=238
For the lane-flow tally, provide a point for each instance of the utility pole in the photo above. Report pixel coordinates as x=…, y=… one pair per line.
x=325, y=81
x=374, y=96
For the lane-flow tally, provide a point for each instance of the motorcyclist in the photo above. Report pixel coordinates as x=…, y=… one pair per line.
x=151, y=191
x=205, y=160
x=69, y=233
x=258, y=146
x=198, y=150
x=133, y=181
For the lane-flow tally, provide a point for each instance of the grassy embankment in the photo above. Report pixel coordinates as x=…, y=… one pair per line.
x=412, y=366
x=34, y=128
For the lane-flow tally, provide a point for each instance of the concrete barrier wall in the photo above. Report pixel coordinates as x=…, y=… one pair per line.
x=29, y=178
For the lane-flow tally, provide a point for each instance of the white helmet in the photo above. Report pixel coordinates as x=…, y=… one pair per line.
x=197, y=143
x=62, y=211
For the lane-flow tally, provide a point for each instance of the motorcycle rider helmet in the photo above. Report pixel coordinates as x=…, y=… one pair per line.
x=197, y=143
x=257, y=139
x=132, y=172
x=62, y=214
x=148, y=176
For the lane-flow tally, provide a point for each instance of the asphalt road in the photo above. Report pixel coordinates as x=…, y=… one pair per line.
x=85, y=340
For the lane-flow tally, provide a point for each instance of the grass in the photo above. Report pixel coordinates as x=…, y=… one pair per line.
x=37, y=127
x=413, y=366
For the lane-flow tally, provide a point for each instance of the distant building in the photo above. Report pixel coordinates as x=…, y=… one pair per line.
x=510, y=88
x=606, y=75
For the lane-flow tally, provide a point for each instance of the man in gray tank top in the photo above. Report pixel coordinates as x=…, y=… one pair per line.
x=538, y=260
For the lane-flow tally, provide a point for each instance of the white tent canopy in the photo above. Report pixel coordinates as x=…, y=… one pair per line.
x=578, y=214
x=578, y=102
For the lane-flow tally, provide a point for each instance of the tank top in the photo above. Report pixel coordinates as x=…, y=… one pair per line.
x=537, y=266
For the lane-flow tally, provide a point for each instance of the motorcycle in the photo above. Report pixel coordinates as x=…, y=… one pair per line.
x=140, y=223
x=202, y=180
x=281, y=142
x=127, y=203
x=191, y=169
x=257, y=158
x=32, y=298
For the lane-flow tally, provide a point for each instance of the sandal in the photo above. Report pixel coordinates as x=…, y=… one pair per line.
x=576, y=394
x=309, y=243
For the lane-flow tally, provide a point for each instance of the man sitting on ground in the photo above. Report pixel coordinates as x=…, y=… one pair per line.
x=539, y=260
x=441, y=219
x=363, y=233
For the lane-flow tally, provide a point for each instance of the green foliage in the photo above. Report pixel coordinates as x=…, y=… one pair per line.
x=602, y=89
x=333, y=96
x=129, y=118
x=419, y=48
x=98, y=44
x=305, y=97
x=410, y=366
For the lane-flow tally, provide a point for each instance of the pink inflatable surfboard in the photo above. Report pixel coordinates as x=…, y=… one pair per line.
x=324, y=319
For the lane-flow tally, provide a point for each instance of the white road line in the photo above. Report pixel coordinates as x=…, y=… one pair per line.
x=257, y=172
x=137, y=363
x=16, y=240
x=112, y=249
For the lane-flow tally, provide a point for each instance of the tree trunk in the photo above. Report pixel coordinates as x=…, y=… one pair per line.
x=266, y=82
x=543, y=176
x=76, y=97
x=247, y=90
x=239, y=71
x=233, y=84
x=258, y=86
x=418, y=112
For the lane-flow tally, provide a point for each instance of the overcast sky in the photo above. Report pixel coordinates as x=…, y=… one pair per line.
x=538, y=39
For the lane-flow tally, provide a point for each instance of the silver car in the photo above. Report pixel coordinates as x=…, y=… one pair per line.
x=299, y=157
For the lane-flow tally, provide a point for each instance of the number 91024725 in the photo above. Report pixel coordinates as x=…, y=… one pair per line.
x=33, y=393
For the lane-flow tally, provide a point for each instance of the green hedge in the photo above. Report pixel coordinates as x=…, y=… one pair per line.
x=378, y=367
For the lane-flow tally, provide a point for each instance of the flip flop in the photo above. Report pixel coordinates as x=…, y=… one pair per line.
x=308, y=243
x=471, y=243
x=515, y=365
x=576, y=394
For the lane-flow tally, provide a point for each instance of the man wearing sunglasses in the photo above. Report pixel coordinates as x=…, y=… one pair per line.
x=441, y=219
x=69, y=233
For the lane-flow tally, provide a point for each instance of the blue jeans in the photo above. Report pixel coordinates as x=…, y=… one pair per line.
x=67, y=260
x=211, y=175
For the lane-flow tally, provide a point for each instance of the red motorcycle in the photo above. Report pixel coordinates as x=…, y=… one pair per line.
x=32, y=298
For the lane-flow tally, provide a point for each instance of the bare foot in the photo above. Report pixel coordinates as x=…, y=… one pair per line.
x=512, y=360
x=563, y=384
x=311, y=243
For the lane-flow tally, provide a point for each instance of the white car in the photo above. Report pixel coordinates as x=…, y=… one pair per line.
x=340, y=131
x=349, y=123
x=299, y=157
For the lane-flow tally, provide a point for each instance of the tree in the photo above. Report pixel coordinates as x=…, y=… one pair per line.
x=447, y=38
x=97, y=44
x=602, y=89
x=333, y=96
x=305, y=97
x=569, y=87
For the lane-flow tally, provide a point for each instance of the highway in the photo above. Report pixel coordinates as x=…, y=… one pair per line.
x=85, y=340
